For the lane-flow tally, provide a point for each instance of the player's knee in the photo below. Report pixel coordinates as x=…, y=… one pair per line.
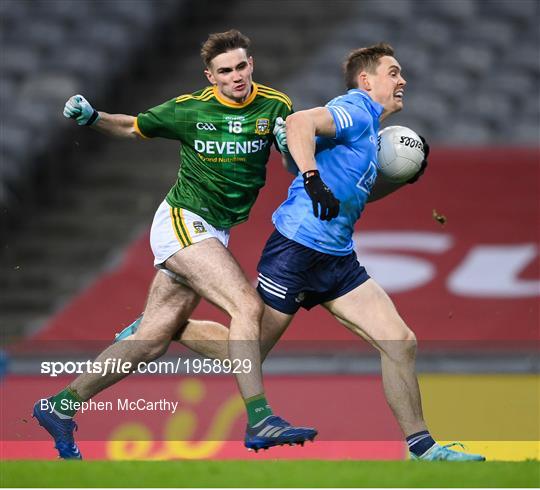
x=248, y=317
x=410, y=343
x=406, y=344
x=402, y=345
x=251, y=309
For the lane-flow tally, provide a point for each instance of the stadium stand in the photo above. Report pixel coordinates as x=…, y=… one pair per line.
x=50, y=48
x=470, y=65
x=471, y=50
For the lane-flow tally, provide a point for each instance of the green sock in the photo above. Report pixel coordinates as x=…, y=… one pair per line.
x=65, y=401
x=257, y=409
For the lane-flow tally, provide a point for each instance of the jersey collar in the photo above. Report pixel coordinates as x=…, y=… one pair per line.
x=237, y=105
x=374, y=107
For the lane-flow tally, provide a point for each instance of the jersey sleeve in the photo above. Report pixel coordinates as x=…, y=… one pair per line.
x=159, y=121
x=350, y=120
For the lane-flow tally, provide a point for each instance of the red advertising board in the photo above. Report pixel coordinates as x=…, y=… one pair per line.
x=202, y=417
x=466, y=280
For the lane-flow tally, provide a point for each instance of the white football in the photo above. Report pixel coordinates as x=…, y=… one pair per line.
x=400, y=153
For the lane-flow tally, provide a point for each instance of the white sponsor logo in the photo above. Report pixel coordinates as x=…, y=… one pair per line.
x=486, y=271
x=229, y=147
x=206, y=126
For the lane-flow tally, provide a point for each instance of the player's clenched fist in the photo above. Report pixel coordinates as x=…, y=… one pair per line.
x=78, y=108
x=280, y=133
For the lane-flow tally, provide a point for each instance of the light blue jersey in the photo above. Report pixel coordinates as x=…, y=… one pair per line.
x=348, y=166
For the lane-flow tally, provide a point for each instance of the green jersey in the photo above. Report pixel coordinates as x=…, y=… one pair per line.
x=224, y=152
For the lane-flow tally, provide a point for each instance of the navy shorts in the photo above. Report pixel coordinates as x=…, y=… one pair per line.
x=293, y=276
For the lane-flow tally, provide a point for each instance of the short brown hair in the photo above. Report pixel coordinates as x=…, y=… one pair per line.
x=221, y=42
x=364, y=59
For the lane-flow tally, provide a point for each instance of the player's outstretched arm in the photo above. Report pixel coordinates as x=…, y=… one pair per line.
x=118, y=125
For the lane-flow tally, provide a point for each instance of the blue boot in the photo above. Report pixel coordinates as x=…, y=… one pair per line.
x=61, y=431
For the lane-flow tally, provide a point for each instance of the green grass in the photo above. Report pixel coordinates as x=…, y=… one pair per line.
x=267, y=474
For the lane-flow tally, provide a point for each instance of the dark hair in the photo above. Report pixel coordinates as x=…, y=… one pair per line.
x=364, y=59
x=221, y=42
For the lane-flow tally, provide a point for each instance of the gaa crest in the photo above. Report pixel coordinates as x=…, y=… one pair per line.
x=262, y=126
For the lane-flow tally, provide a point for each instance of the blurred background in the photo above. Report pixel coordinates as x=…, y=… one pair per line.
x=75, y=207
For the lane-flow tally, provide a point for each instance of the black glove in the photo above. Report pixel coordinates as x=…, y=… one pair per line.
x=424, y=163
x=320, y=194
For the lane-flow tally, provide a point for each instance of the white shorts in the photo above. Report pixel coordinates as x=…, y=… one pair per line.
x=175, y=228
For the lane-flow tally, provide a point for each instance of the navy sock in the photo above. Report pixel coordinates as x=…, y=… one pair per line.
x=420, y=442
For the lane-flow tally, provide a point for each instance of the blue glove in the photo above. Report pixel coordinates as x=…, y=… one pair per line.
x=280, y=134
x=78, y=108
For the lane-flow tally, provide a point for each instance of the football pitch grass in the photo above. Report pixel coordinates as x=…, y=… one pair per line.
x=267, y=474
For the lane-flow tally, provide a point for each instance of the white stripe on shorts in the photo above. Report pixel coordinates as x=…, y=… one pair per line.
x=271, y=287
x=273, y=283
x=282, y=296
